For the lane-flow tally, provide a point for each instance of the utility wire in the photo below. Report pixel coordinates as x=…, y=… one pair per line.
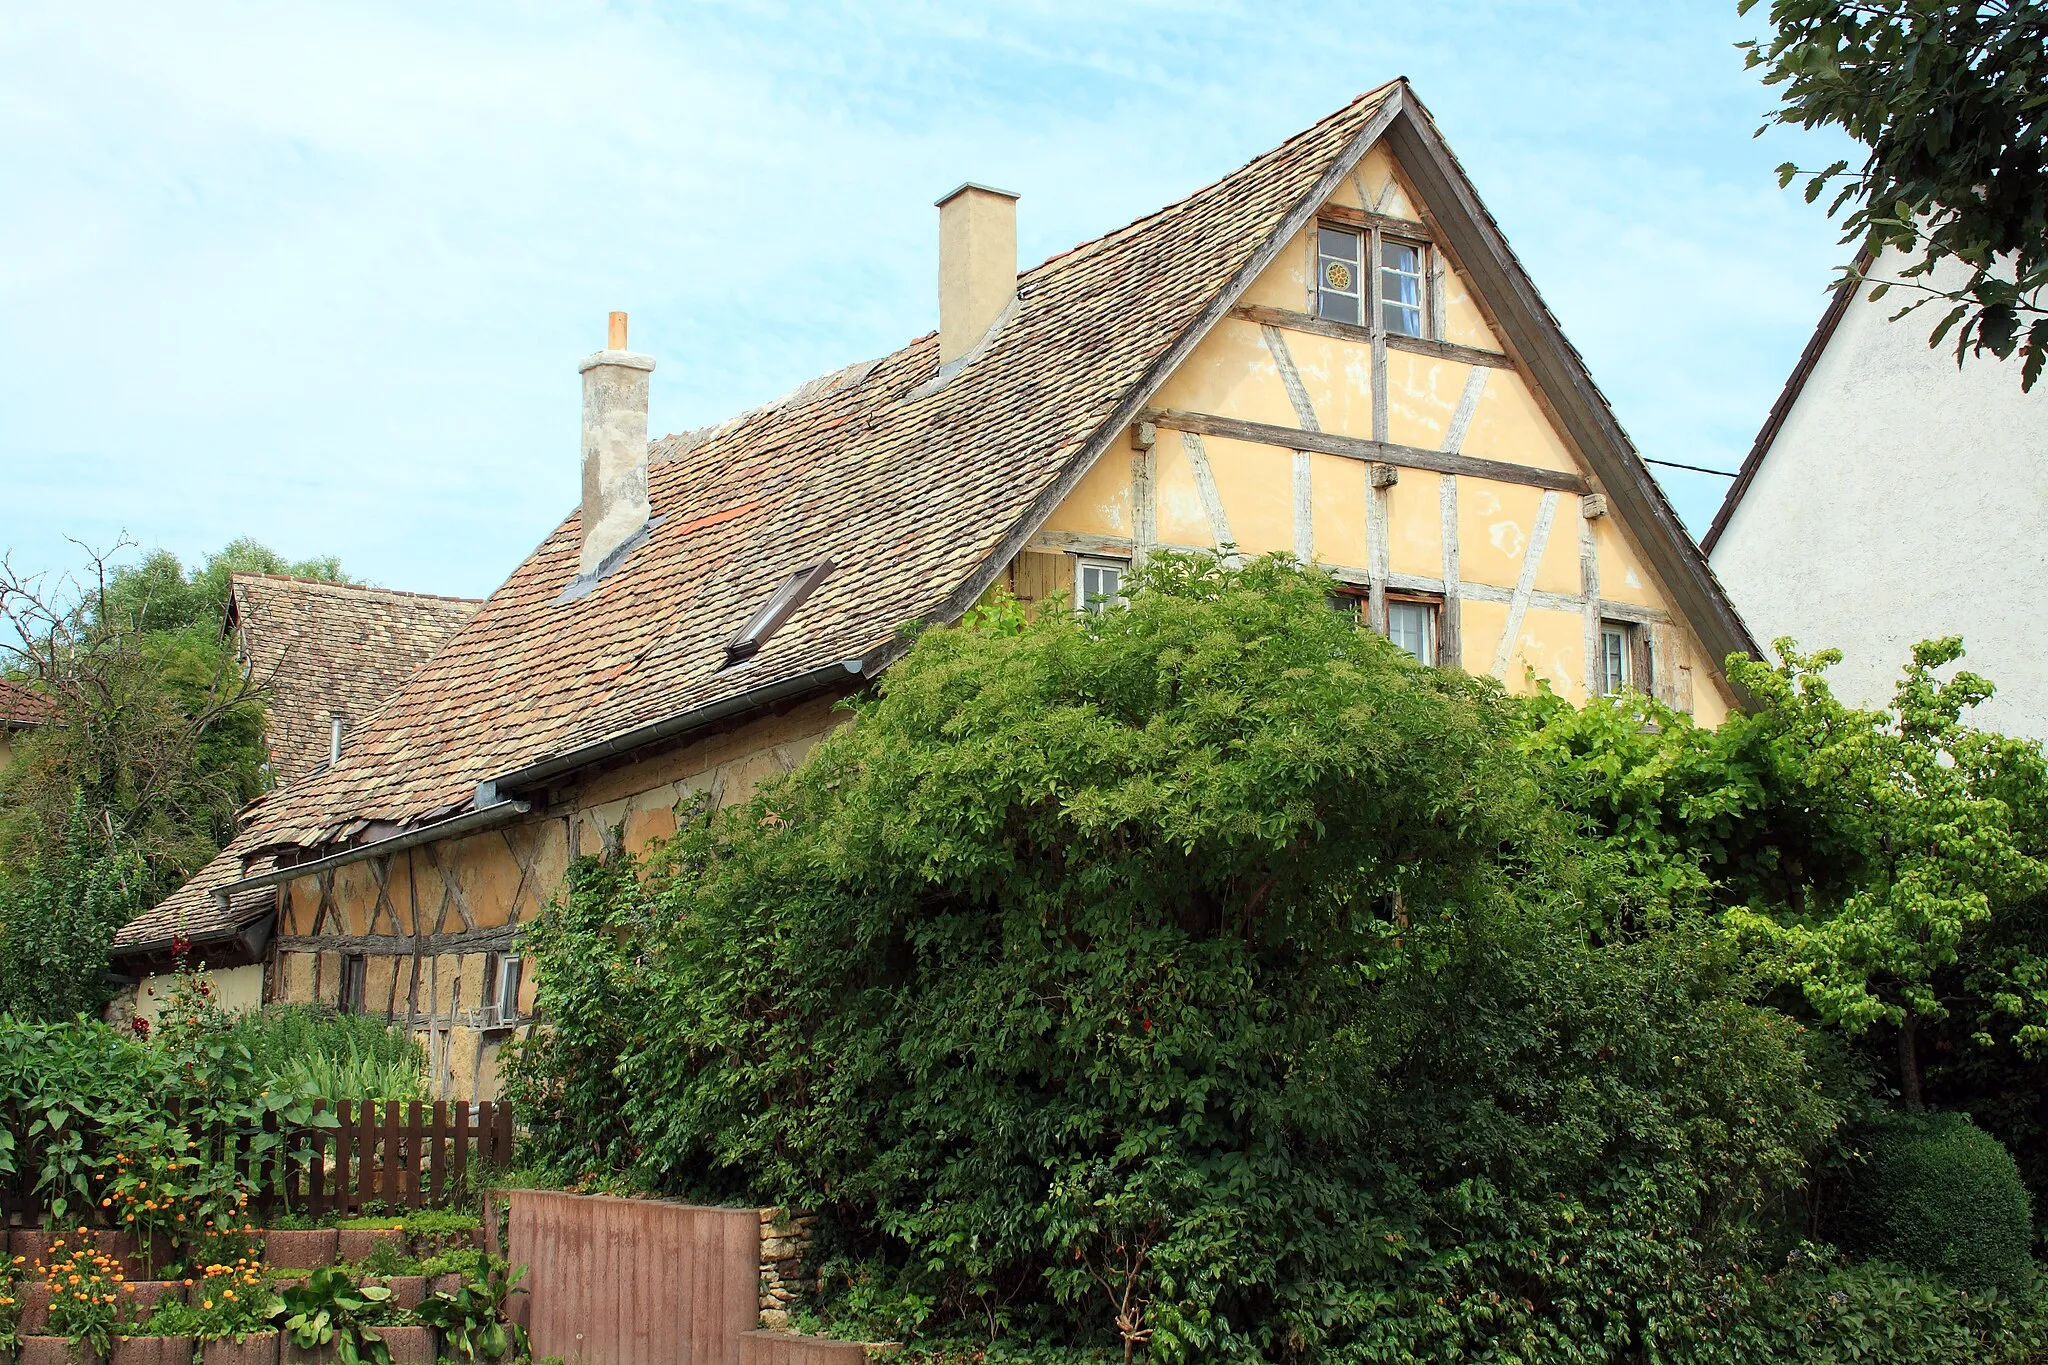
x=1695, y=468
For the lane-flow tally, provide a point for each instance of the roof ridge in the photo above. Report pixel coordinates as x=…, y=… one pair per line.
x=240, y=575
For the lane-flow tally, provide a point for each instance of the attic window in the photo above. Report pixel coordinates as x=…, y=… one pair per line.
x=1340, y=280
x=776, y=610
x=1356, y=270
x=1401, y=287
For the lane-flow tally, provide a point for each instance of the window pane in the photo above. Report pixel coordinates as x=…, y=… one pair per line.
x=1401, y=288
x=1412, y=626
x=1613, y=661
x=1340, y=284
x=1100, y=584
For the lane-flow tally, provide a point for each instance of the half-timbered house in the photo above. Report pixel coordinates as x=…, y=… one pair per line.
x=1331, y=351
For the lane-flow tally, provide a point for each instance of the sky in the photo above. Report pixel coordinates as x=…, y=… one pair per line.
x=321, y=274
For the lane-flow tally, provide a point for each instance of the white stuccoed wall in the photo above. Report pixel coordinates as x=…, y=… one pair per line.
x=1902, y=500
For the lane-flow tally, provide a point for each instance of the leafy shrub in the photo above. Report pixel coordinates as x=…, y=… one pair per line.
x=432, y=1231
x=331, y=1310
x=474, y=1322
x=1940, y=1194
x=1202, y=977
x=335, y=1056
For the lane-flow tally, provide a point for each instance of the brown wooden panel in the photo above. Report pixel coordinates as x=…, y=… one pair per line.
x=1353, y=448
x=437, y=1144
x=344, y=1140
x=634, y=1282
x=764, y=1347
x=460, y=1116
x=394, y=1158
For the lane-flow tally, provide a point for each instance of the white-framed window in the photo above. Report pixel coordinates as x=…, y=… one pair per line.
x=1097, y=583
x=1411, y=625
x=1340, y=275
x=1402, y=286
x=1357, y=268
x=1617, y=658
x=505, y=973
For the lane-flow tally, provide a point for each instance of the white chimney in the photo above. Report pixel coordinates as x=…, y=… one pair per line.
x=614, y=446
x=977, y=264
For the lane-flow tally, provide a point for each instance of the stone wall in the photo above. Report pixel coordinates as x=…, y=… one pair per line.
x=785, y=1247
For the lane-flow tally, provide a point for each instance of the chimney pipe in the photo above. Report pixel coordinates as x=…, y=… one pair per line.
x=614, y=446
x=977, y=265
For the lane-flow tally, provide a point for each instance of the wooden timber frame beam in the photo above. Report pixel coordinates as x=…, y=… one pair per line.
x=1351, y=331
x=1369, y=452
x=1115, y=547
x=403, y=945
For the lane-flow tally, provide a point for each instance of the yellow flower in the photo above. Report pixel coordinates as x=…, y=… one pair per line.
x=207, y=1304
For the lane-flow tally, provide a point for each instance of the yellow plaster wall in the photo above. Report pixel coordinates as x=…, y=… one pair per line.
x=1178, y=513
x=1422, y=393
x=1622, y=575
x=1256, y=486
x=1233, y=373
x=1284, y=284
x=1479, y=629
x=1552, y=646
x=1377, y=176
x=1337, y=376
x=1338, y=524
x=235, y=989
x=1463, y=322
x=1415, y=525
x=1100, y=504
x=1508, y=425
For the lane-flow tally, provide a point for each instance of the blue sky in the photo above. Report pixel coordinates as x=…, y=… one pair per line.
x=322, y=274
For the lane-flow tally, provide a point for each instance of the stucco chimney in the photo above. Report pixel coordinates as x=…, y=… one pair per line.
x=614, y=445
x=977, y=264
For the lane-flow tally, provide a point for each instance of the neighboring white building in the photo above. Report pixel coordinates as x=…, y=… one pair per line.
x=1891, y=498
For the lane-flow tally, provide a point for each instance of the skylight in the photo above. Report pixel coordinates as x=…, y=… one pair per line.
x=777, y=609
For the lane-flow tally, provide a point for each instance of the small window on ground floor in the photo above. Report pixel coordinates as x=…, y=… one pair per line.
x=509, y=970
x=355, y=971
x=1411, y=624
x=1098, y=583
x=1624, y=659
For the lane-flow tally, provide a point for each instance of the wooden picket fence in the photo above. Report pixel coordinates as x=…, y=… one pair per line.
x=400, y=1154
x=410, y=1154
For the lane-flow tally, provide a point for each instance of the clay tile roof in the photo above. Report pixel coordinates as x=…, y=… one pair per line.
x=328, y=650
x=911, y=489
x=21, y=706
x=192, y=912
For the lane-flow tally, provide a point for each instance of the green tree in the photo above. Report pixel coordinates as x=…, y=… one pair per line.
x=58, y=916
x=1888, y=865
x=1203, y=977
x=159, y=728
x=1950, y=98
